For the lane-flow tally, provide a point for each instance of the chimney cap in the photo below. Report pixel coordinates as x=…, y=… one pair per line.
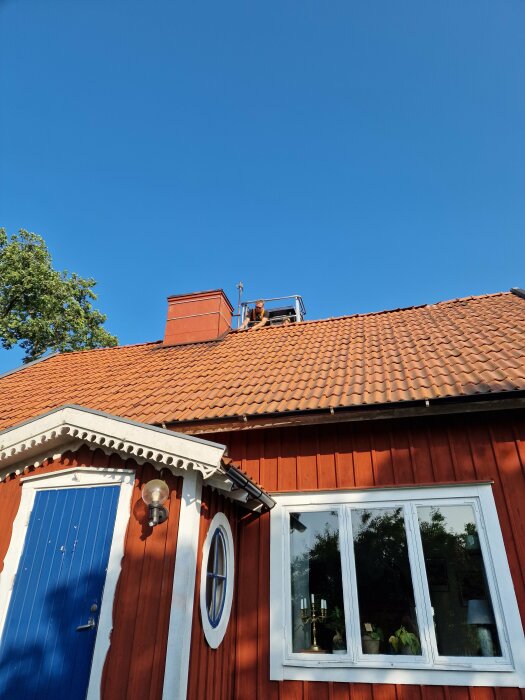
x=201, y=294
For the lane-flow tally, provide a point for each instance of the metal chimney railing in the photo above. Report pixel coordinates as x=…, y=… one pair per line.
x=278, y=314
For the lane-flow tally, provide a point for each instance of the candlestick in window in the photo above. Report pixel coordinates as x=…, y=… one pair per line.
x=316, y=614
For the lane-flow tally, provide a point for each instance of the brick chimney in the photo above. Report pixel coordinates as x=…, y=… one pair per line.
x=194, y=318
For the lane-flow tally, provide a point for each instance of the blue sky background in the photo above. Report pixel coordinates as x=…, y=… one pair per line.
x=367, y=154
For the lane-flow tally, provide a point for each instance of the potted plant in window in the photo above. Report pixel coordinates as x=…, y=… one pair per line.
x=371, y=639
x=404, y=642
x=336, y=622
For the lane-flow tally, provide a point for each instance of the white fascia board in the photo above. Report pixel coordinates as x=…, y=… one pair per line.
x=139, y=441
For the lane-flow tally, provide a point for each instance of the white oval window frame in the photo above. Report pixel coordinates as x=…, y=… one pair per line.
x=215, y=635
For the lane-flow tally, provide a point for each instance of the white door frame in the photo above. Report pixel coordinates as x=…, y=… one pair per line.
x=77, y=477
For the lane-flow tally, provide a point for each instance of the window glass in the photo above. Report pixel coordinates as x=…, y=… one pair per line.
x=318, y=621
x=462, y=607
x=387, y=610
x=216, y=578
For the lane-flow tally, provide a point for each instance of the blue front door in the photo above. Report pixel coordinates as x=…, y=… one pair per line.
x=51, y=625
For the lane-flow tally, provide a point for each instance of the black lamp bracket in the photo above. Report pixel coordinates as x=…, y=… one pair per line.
x=157, y=514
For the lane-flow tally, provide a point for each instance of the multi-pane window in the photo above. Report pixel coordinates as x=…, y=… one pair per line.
x=394, y=579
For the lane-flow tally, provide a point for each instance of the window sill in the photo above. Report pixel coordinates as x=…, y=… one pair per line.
x=331, y=661
x=347, y=672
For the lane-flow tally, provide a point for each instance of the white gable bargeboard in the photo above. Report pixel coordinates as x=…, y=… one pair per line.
x=69, y=426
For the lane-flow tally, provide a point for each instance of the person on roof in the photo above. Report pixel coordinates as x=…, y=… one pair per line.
x=257, y=317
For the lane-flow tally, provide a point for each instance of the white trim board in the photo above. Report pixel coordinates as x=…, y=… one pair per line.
x=181, y=616
x=79, y=477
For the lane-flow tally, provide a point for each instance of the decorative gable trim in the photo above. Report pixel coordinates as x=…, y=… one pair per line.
x=69, y=426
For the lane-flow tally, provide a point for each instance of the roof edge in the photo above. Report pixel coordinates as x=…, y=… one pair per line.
x=518, y=291
x=76, y=352
x=28, y=364
x=510, y=400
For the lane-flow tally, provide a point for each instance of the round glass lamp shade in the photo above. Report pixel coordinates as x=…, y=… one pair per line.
x=155, y=492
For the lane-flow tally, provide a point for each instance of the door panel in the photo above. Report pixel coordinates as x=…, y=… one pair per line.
x=57, y=589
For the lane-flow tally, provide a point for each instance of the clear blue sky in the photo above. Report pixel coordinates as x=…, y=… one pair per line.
x=367, y=154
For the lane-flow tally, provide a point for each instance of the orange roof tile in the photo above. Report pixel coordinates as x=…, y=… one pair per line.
x=450, y=349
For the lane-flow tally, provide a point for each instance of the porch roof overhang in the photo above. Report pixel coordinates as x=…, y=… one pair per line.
x=68, y=427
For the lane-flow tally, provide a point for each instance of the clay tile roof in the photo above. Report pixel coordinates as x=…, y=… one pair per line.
x=463, y=347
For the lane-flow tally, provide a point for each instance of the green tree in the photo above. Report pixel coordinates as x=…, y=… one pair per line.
x=41, y=309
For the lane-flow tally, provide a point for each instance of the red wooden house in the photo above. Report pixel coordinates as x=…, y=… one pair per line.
x=344, y=519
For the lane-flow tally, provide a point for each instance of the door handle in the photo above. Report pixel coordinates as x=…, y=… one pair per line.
x=89, y=626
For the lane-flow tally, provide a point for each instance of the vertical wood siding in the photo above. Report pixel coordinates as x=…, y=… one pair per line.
x=134, y=667
x=211, y=672
x=345, y=456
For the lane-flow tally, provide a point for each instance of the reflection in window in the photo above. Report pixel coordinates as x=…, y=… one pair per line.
x=387, y=609
x=216, y=578
x=463, y=615
x=318, y=621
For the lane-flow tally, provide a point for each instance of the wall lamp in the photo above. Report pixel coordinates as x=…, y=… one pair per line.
x=154, y=494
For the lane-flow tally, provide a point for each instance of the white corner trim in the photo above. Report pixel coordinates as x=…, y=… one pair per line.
x=74, y=478
x=181, y=616
x=215, y=635
x=278, y=591
x=142, y=442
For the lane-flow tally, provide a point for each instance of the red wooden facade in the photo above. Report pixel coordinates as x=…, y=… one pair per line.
x=345, y=456
x=440, y=450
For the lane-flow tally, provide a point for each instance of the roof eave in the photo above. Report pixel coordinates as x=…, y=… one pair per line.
x=360, y=413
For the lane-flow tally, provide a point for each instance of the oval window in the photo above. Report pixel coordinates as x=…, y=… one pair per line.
x=217, y=580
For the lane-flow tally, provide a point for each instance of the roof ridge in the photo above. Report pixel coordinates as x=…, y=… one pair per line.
x=385, y=311
x=234, y=331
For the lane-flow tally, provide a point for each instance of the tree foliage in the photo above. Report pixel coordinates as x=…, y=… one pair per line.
x=42, y=309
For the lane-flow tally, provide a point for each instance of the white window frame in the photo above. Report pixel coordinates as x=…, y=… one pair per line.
x=215, y=635
x=429, y=668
